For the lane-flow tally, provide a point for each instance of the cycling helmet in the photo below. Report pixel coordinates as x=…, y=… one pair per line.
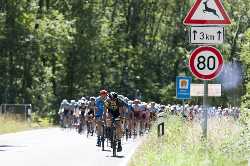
x=136, y=101
x=130, y=102
x=103, y=92
x=92, y=98
x=80, y=101
x=65, y=101
x=113, y=95
x=121, y=97
x=126, y=99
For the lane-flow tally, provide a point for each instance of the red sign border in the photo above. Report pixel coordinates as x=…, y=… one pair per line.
x=193, y=56
x=188, y=19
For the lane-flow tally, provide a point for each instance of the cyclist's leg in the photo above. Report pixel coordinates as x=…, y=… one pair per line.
x=98, y=130
x=88, y=122
x=130, y=122
x=92, y=124
x=147, y=121
x=136, y=121
x=67, y=120
x=119, y=133
x=144, y=116
x=108, y=127
x=141, y=115
x=65, y=117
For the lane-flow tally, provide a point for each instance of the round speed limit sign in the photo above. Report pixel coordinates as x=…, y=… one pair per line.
x=206, y=63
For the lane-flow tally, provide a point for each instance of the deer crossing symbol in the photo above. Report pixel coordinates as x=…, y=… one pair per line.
x=209, y=10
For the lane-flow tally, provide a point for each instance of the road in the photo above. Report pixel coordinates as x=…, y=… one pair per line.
x=59, y=147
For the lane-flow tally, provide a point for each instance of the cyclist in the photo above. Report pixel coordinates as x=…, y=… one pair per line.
x=99, y=114
x=153, y=110
x=143, y=117
x=129, y=116
x=64, y=112
x=147, y=119
x=114, y=106
x=82, y=109
x=72, y=110
x=136, y=117
x=90, y=115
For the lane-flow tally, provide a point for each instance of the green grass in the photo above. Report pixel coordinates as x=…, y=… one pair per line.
x=11, y=124
x=228, y=144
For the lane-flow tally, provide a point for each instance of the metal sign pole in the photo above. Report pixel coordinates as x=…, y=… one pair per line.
x=183, y=105
x=205, y=98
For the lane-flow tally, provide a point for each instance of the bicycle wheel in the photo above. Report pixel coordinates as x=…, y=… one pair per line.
x=80, y=128
x=103, y=136
x=127, y=134
x=114, y=141
x=88, y=128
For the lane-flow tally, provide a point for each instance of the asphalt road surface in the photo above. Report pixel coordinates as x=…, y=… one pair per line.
x=59, y=147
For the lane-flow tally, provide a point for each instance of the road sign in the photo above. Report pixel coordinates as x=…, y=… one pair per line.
x=213, y=90
x=183, y=87
x=207, y=12
x=206, y=35
x=206, y=63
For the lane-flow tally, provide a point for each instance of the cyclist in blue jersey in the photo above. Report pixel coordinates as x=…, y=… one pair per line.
x=129, y=119
x=99, y=114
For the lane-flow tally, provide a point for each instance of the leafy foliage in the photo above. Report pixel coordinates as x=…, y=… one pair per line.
x=53, y=49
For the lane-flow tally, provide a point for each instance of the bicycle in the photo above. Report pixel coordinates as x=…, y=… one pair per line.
x=111, y=134
x=81, y=124
x=126, y=127
x=90, y=126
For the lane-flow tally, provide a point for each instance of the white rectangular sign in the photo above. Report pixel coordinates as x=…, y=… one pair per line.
x=213, y=90
x=206, y=35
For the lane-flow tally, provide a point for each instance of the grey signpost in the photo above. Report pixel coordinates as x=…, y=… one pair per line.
x=207, y=30
x=205, y=97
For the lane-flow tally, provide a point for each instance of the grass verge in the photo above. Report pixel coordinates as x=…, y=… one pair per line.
x=11, y=125
x=228, y=144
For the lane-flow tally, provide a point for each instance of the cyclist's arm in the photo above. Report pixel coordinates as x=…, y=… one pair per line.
x=105, y=112
x=121, y=110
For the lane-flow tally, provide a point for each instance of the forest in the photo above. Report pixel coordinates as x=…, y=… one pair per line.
x=56, y=49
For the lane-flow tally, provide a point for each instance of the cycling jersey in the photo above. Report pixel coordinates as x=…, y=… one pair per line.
x=137, y=110
x=100, y=107
x=130, y=108
x=91, y=106
x=153, y=109
x=136, y=107
x=113, y=106
x=142, y=107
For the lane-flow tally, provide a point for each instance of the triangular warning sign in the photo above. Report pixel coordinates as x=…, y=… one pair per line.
x=207, y=12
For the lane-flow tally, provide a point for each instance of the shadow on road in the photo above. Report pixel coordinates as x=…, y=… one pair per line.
x=8, y=146
x=116, y=156
x=119, y=157
x=106, y=150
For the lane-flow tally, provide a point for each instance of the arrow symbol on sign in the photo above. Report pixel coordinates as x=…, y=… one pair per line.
x=194, y=32
x=219, y=33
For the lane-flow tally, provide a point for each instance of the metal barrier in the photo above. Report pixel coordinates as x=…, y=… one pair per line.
x=160, y=130
x=18, y=111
